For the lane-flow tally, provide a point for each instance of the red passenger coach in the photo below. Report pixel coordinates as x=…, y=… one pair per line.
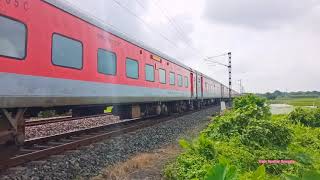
x=53, y=56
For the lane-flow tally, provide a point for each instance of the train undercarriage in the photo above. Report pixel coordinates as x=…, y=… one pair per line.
x=12, y=121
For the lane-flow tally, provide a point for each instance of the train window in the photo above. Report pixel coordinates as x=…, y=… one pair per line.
x=186, y=81
x=149, y=73
x=162, y=76
x=107, y=62
x=132, y=68
x=180, y=80
x=172, y=78
x=13, y=38
x=66, y=52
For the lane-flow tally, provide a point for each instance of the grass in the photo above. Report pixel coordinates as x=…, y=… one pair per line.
x=140, y=163
x=108, y=109
x=297, y=101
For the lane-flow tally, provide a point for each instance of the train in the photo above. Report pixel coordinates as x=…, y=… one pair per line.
x=55, y=56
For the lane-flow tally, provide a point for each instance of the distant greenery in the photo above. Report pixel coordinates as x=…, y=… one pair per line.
x=297, y=101
x=232, y=145
x=300, y=94
x=309, y=98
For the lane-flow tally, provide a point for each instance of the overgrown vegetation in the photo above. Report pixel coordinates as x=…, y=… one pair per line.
x=235, y=143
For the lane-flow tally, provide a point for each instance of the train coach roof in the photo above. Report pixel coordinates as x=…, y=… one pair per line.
x=65, y=6
x=100, y=24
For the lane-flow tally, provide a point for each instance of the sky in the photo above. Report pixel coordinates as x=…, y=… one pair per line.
x=274, y=43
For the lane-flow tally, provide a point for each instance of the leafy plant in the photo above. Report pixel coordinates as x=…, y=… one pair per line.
x=260, y=173
x=310, y=175
x=201, y=146
x=308, y=117
x=266, y=133
x=221, y=171
x=252, y=106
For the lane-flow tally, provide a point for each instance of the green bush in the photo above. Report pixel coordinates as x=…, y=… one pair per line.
x=266, y=134
x=187, y=166
x=252, y=107
x=309, y=175
x=307, y=117
x=222, y=171
x=201, y=146
x=246, y=134
x=235, y=125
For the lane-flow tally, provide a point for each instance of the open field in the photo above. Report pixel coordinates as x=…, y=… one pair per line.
x=297, y=101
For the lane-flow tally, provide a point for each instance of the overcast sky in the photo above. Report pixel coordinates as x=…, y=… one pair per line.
x=275, y=43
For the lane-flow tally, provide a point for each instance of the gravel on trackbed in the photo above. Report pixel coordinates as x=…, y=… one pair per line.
x=68, y=126
x=89, y=161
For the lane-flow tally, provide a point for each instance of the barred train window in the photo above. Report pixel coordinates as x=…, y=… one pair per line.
x=162, y=76
x=13, y=38
x=132, y=68
x=186, y=81
x=172, y=78
x=107, y=62
x=180, y=80
x=66, y=52
x=149, y=73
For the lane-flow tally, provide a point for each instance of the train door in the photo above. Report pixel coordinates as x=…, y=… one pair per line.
x=222, y=91
x=195, y=80
x=195, y=86
x=199, y=87
x=202, y=86
x=192, y=85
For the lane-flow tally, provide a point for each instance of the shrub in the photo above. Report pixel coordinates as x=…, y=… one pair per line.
x=266, y=134
x=309, y=175
x=201, y=146
x=194, y=162
x=238, y=154
x=222, y=171
x=234, y=125
x=252, y=107
x=307, y=117
x=187, y=166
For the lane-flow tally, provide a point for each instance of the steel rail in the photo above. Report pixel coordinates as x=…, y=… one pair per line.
x=40, y=148
x=30, y=123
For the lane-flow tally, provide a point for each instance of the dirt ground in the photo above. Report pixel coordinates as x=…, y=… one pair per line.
x=145, y=166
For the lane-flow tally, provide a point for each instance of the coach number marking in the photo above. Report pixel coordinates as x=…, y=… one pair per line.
x=16, y=3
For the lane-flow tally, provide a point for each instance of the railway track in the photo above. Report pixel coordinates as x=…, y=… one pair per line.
x=30, y=123
x=40, y=148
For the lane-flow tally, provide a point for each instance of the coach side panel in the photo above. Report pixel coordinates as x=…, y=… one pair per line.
x=37, y=79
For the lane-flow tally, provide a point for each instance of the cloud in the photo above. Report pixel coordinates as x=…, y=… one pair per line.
x=274, y=42
x=145, y=22
x=113, y=14
x=257, y=13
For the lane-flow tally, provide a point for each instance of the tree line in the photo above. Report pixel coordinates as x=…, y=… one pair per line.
x=300, y=94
